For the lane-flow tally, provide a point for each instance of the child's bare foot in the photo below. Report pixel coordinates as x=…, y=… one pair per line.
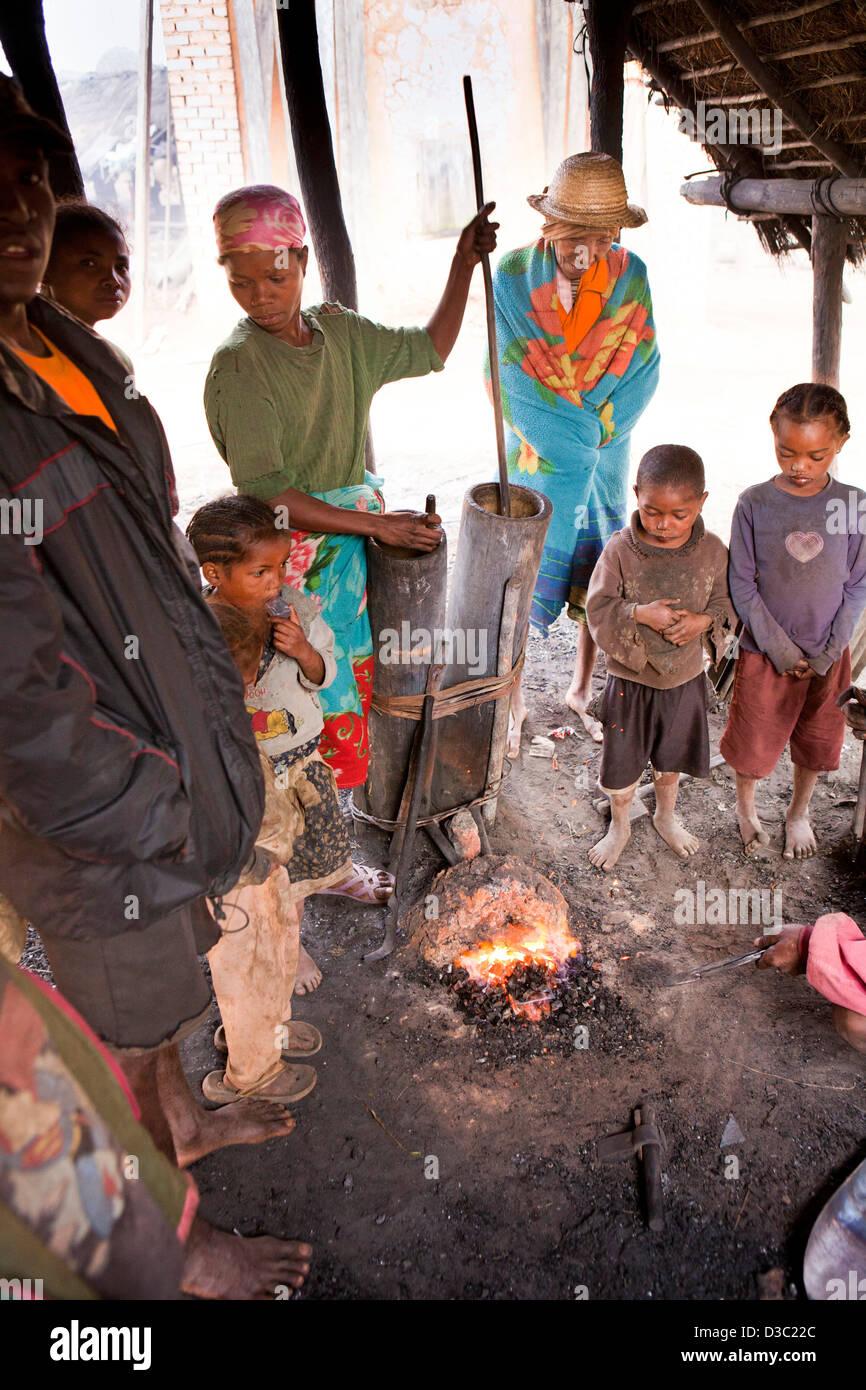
x=605, y=854
x=516, y=720
x=674, y=833
x=753, y=833
x=308, y=976
x=219, y=1265
x=800, y=840
x=578, y=703
x=244, y=1122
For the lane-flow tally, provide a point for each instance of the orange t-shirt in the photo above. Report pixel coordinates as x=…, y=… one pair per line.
x=61, y=373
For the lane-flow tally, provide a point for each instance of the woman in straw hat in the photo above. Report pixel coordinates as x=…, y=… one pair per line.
x=579, y=363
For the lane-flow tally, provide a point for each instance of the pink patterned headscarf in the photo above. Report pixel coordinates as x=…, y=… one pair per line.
x=259, y=218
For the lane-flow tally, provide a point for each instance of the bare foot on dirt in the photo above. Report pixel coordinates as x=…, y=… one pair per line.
x=605, y=854
x=577, y=703
x=242, y=1122
x=219, y=1265
x=753, y=833
x=308, y=976
x=800, y=840
x=674, y=833
x=516, y=720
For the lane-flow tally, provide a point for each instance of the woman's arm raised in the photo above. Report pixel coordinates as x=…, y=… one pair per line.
x=477, y=237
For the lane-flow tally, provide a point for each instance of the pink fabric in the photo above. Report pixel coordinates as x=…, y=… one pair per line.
x=836, y=963
x=261, y=217
x=187, y=1216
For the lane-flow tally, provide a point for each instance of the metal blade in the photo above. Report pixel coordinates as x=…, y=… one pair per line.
x=713, y=966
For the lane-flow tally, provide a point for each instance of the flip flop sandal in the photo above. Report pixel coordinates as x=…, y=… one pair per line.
x=303, y=1040
x=374, y=880
x=290, y=1084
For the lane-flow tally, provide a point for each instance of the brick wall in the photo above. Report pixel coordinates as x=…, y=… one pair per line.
x=206, y=111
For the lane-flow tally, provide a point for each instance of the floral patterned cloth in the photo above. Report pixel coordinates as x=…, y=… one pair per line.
x=333, y=569
x=569, y=417
x=88, y=1206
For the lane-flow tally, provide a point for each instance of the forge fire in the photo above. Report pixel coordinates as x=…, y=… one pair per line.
x=521, y=970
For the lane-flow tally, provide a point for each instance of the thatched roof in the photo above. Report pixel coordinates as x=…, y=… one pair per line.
x=816, y=51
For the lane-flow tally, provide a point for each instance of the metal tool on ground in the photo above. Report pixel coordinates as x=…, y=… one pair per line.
x=713, y=967
x=403, y=840
x=504, y=490
x=643, y=1141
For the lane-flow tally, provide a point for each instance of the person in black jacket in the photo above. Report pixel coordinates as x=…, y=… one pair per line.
x=130, y=788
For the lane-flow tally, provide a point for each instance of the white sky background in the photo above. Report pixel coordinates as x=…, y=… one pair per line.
x=80, y=31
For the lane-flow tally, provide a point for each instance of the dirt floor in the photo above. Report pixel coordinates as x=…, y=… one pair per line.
x=426, y=1165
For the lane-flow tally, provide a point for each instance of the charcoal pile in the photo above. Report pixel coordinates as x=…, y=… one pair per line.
x=580, y=1013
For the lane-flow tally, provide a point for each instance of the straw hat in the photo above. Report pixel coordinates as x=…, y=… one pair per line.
x=589, y=189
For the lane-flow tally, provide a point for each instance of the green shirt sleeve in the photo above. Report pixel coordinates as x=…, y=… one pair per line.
x=246, y=429
x=391, y=354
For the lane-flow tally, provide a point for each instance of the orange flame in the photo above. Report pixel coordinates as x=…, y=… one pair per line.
x=491, y=962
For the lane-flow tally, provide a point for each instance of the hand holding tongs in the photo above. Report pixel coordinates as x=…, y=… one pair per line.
x=701, y=970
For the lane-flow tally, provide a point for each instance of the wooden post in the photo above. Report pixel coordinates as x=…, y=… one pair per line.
x=166, y=224
x=256, y=113
x=607, y=24
x=142, y=171
x=314, y=150
x=22, y=34
x=828, y=259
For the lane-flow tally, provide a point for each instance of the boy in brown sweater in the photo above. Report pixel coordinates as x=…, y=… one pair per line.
x=659, y=586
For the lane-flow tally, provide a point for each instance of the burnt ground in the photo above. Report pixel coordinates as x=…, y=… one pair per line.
x=441, y=1159
x=431, y=1163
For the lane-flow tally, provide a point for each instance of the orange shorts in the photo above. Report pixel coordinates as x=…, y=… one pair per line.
x=767, y=710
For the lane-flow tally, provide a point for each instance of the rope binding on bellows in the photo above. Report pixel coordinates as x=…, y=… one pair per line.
x=446, y=702
x=450, y=701
x=391, y=825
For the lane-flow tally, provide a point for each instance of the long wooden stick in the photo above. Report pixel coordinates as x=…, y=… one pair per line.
x=504, y=490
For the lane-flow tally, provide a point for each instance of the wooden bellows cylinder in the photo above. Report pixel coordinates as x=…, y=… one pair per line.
x=406, y=603
x=491, y=550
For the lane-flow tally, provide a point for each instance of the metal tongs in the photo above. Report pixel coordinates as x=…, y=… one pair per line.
x=701, y=970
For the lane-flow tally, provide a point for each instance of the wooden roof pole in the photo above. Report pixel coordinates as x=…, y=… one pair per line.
x=22, y=34
x=779, y=196
x=773, y=89
x=142, y=171
x=314, y=151
x=607, y=23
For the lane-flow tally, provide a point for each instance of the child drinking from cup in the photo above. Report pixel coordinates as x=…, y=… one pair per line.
x=243, y=555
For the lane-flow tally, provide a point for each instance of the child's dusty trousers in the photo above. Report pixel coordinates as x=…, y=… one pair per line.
x=253, y=971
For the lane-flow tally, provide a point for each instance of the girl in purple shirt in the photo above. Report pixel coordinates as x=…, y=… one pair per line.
x=798, y=582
